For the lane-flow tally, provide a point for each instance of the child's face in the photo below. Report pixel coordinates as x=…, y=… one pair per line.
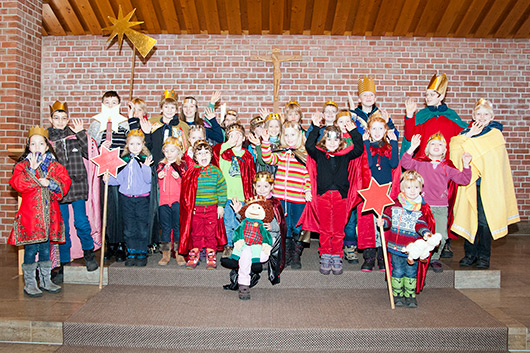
x=230, y=119
x=196, y=136
x=330, y=112
x=138, y=112
x=111, y=102
x=291, y=137
x=341, y=123
x=436, y=149
x=259, y=129
x=189, y=109
x=483, y=116
x=171, y=152
x=432, y=98
x=411, y=189
x=135, y=144
x=169, y=110
x=37, y=144
x=59, y=120
x=262, y=188
x=274, y=127
x=293, y=115
x=203, y=157
x=238, y=137
x=332, y=142
x=377, y=131
x=367, y=99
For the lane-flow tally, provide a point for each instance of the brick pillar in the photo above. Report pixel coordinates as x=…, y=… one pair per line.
x=20, y=90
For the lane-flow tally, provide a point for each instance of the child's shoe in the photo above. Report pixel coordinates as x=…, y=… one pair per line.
x=140, y=261
x=181, y=261
x=467, y=261
x=45, y=271
x=244, y=292
x=483, y=263
x=325, y=264
x=336, y=264
x=131, y=260
x=350, y=254
x=436, y=266
x=211, y=260
x=447, y=251
x=380, y=259
x=193, y=259
x=227, y=251
x=166, y=255
x=409, y=290
x=369, y=260
x=411, y=302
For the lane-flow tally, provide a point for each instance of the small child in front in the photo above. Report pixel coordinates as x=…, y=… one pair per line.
x=409, y=219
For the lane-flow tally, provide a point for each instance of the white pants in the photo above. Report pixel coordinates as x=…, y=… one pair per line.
x=245, y=264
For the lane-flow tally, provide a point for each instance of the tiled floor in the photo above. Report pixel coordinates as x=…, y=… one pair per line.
x=510, y=304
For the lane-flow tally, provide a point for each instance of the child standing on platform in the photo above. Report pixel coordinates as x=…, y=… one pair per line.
x=332, y=183
x=170, y=171
x=134, y=182
x=41, y=181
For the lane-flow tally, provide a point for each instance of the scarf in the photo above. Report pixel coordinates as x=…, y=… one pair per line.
x=410, y=205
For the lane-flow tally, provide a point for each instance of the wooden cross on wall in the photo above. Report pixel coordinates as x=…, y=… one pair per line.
x=276, y=60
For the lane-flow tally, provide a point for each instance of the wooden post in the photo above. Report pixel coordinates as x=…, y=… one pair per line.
x=103, y=232
x=387, y=272
x=131, y=83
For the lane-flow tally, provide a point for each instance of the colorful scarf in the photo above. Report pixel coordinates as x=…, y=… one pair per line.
x=410, y=205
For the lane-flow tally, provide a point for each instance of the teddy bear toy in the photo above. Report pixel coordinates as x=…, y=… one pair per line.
x=421, y=248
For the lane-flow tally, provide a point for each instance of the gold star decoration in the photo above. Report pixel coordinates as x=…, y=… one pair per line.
x=121, y=26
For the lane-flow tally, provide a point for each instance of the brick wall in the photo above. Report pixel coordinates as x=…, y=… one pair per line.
x=79, y=69
x=20, y=90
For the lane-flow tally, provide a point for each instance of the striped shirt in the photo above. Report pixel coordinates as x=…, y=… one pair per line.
x=292, y=177
x=211, y=187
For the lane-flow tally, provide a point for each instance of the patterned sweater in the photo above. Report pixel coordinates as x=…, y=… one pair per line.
x=211, y=187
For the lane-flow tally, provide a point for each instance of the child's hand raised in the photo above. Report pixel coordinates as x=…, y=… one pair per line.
x=366, y=136
x=146, y=126
x=77, y=125
x=350, y=125
x=316, y=119
x=384, y=115
x=476, y=128
x=265, y=135
x=414, y=143
x=410, y=107
x=236, y=204
x=148, y=160
x=263, y=113
x=466, y=159
x=209, y=113
x=130, y=109
x=253, y=139
x=216, y=96
x=33, y=163
x=391, y=135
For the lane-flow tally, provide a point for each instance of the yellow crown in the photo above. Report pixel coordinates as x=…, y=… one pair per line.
x=438, y=83
x=254, y=199
x=273, y=116
x=235, y=126
x=366, y=85
x=331, y=103
x=170, y=94
x=58, y=106
x=172, y=140
x=37, y=130
x=231, y=112
x=483, y=103
x=264, y=176
x=343, y=113
x=437, y=136
x=136, y=132
x=256, y=121
x=293, y=103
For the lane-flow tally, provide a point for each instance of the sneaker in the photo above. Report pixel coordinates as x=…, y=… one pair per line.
x=447, y=252
x=227, y=251
x=350, y=254
x=193, y=260
x=483, y=264
x=325, y=264
x=244, y=292
x=336, y=265
x=140, y=262
x=436, y=266
x=411, y=302
x=399, y=301
x=211, y=260
x=130, y=261
x=467, y=261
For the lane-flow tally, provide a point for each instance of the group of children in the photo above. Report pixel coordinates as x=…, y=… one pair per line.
x=196, y=186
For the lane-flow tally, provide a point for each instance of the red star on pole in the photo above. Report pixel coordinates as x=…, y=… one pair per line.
x=376, y=197
x=108, y=161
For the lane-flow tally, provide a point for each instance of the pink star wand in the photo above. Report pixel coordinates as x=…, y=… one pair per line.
x=376, y=199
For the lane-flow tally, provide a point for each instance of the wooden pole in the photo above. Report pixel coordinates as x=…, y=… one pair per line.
x=103, y=231
x=131, y=84
x=387, y=272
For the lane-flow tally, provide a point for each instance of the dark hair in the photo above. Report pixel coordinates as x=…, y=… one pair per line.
x=111, y=94
x=196, y=119
x=27, y=151
x=332, y=128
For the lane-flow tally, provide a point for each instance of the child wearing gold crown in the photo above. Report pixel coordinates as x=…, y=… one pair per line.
x=485, y=207
x=273, y=125
x=437, y=173
x=42, y=182
x=72, y=149
x=134, y=181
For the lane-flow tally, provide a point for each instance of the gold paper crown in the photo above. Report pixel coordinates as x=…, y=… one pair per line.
x=438, y=83
x=273, y=116
x=37, y=130
x=343, y=113
x=190, y=100
x=231, y=112
x=235, y=126
x=254, y=199
x=366, y=84
x=437, y=136
x=58, y=106
x=172, y=140
x=292, y=102
x=170, y=94
x=256, y=121
x=136, y=132
x=264, y=176
x=331, y=103
x=483, y=103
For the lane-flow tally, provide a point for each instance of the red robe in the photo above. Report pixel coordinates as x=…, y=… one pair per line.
x=187, y=204
x=38, y=218
x=246, y=166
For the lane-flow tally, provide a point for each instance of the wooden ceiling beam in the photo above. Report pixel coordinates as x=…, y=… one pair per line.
x=65, y=9
x=342, y=12
x=454, y=7
x=492, y=17
x=406, y=17
x=515, y=15
x=470, y=18
x=276, y=16
x=211, y=16
x=233, y=16
x=387, y=17
x=318, y=20
x=430, y=17
x=254, y=16
x=363, y=15
x=170, y=16
x=148, y=15
x=106, y=10
x=298, y=8
x=85, y=8
x=524, y=29
x=50, y=21
x=190, y=16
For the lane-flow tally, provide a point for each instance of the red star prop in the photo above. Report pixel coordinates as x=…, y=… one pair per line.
x=108, y=161
x=376, y=197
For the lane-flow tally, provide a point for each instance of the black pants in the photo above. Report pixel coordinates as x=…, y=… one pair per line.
x=114, y=218
x=481, y=247
x=135, y=222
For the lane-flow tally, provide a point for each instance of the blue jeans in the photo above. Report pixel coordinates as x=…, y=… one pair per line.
x=82, y=226
x=231, y=222
x=294, y=212
x=401, y=268
x=350, y=231
x=31, y=250
x=169, y=221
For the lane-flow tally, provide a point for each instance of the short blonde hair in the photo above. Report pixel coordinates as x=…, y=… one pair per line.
x=483, y=104
x=169, y=100
x=411, y=176
x=141, y=103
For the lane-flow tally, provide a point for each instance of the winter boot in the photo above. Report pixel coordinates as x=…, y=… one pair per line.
x=380, y=259
x=325, y=264
x=409, y=285
x=289, y=248
x=350, y=254
x=211, y=259
x=121, y=254
x=369, y=259
x=111, y=250
x=397, y=291
x=447, y=251
x=244, y=292
x=193, y=259
x=336, y=264
x=140, y=259
x=165, y=247
x=45, y=272
x=58, y=273
x=296, y=262
x=90, y=260
x=30, y=280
